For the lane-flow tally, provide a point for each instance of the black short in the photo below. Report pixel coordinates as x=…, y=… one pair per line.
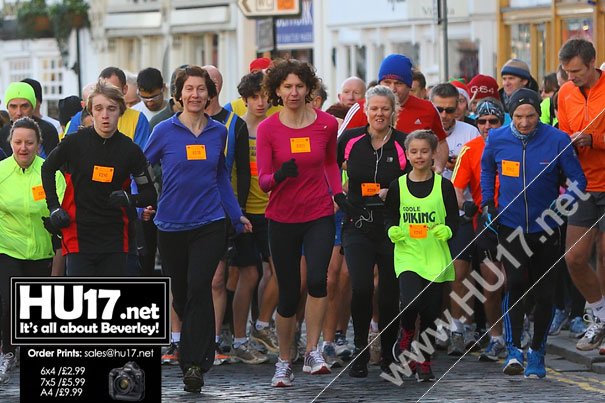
x=461, y=245
x=249, y=248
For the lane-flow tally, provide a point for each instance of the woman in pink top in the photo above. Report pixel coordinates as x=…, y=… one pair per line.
x=296, y=155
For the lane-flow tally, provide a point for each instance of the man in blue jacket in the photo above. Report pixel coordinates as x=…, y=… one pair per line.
x=529, y=158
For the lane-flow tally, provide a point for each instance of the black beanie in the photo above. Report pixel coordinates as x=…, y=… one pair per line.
x=524, y=96
x=68, y=107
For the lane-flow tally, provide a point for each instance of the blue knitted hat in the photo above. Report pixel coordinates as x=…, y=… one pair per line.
x=396, y=67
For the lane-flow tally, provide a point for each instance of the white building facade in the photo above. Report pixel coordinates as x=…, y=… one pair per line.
x=354, y=36
x=340, y=37
x=135, y=34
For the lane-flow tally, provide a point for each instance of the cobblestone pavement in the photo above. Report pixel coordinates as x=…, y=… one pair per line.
x=469, y=380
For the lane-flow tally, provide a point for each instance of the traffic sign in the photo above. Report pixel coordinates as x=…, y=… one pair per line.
x=269, y=8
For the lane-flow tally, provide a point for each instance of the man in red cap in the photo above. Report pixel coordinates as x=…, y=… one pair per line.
x=262, y=63
x=482, y=86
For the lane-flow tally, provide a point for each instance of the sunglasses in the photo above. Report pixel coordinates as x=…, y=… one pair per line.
x=449, y=110
x=156, y=97
x=491, y=121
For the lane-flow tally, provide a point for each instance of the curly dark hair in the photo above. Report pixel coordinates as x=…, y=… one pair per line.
x=194, y=71
x=251, y=84
x=279, y=71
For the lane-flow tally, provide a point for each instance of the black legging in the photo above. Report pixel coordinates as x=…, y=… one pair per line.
x=361, y=254
x=190, y=259
x=566, y=290
x=11, y=267
x=287, y=243
x=524, y=275
x=427, y=305
x=147, y=260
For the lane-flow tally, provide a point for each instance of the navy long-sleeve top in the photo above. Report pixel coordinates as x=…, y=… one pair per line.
x=196, y=187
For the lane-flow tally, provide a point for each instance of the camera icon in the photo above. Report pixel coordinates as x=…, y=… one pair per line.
x=127, y=383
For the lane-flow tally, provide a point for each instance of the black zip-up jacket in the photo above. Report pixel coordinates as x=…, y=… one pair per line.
x=94, y=167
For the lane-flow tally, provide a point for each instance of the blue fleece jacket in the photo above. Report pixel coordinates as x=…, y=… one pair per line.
x=196, y=188
x=546, y=155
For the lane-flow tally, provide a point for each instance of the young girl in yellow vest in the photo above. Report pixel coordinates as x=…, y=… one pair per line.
x=422, y=216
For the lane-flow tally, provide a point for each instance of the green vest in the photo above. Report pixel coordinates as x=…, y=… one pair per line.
x=22, y=206
x=420, y=252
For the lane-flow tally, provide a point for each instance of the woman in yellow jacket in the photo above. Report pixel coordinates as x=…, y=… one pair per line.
x=25, y=245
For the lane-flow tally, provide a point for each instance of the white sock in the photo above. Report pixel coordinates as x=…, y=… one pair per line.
x=217, y=339
x=598, y=309
x=374, y=326
x=327, y=343
x=261, y=325
x=176, y=337
x=238, y=341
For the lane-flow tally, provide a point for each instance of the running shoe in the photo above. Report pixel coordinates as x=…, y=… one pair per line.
x=456, y=347
x=559, y=321
x=193, y=379
x=406, y=337
x=602, y=348
x=315, y=364
x=577, y=327
x=593, y=336
x=342, y=346
x=283, y=376
x=358, y=369
x=359, y=366
x=375, y=352
x=329, y=353
x=248, y=355
x=266, y=337
x=171, y=356
x=470, y=338
x=535, y=364
x=219, y=356
x=424, y=373
x=514, y=361
x=494, y=351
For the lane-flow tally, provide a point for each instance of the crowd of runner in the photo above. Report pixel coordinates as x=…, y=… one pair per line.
x=459, y=217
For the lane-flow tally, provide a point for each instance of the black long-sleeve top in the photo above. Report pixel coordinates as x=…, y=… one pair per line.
x=421, y=190
x=94, y=167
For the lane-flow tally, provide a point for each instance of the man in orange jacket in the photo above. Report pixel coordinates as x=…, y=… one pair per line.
x=581, y=105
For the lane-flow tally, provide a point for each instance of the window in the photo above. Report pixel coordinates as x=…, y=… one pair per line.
x=19, y=69
x=577, y=28
x=51, y=78
x=521, y=37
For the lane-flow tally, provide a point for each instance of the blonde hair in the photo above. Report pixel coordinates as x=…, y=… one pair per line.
x=109, y=91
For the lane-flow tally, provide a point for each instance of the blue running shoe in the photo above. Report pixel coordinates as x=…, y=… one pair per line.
x=514, y=361
x=559, y=321
x=494, y=351
x=577, y=328
x=535, y=364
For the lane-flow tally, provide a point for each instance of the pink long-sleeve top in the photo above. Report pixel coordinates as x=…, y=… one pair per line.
x=308, y=196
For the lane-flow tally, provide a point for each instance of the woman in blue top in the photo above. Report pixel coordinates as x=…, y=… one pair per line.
x=191, y=223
